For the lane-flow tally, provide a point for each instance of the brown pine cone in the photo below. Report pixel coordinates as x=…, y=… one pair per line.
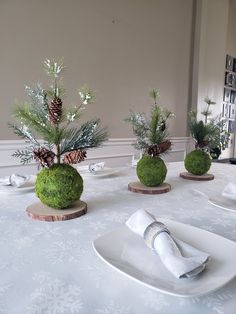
x=202, y=145
x=44, y=156
x=55, y=110
x=165, y=146
x=74, y=157
x=155, y=149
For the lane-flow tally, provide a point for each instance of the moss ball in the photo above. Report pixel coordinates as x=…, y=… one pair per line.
x=59, y=186
x=197, y=162
x=151, y=171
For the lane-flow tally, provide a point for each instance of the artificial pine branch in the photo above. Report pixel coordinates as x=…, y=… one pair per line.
x=153, y=131
x=45, y=115
x=89, y=135
x=26, y=155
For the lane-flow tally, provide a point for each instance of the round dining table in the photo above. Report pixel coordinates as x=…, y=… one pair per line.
x=52, y=267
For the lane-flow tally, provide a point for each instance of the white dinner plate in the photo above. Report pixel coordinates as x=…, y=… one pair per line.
x=9, y=189
x=126, y=252
x=28, y=186
x=223, y=202
x=105, y=172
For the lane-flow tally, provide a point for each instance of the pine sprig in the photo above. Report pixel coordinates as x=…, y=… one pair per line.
x=54, y=67
x=140, y=129
x=31, y=119
x=151, y=131
x=45, y=117
x=26, y=155
x=25, y=133
x=89, y=135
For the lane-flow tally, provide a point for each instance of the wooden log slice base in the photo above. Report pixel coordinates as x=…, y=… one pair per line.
x=138, y=187
x=190, y=176
x=39, y=211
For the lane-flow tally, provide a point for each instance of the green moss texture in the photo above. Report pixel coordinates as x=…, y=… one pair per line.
x=197, y=162
x=59, y=186
x=151, y=171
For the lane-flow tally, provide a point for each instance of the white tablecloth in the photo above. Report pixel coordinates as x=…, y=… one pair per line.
x=51, y=267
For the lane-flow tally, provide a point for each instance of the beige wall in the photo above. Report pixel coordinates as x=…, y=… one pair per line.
x=211, y=49
x=121, y=48
x=231, y=36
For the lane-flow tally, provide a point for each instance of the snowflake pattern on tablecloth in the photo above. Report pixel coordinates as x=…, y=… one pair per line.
x=113, y=308
x=64, y=251
x=51, y=267
x=54, y=296
x=3, y=290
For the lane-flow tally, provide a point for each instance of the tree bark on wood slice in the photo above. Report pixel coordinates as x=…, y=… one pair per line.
x=190, y=176
x=138, y=187
x=39, y=211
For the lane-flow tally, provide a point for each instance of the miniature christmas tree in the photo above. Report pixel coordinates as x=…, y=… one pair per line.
x=206, y=134
x=152, y=139
x=45, y=117
x=61, y=142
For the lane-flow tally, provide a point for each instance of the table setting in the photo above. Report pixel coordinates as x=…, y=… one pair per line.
x=98, y=263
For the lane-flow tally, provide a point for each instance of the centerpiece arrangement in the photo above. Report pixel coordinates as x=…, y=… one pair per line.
x=208, y=135
x=152, y=140
x=62, y=143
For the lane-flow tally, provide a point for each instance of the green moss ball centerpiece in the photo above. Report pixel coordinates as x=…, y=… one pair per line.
x=63, y=143
x=59, y=186
x=152, y=140
x=197, y=162
x=206, y=135
x=151, y=171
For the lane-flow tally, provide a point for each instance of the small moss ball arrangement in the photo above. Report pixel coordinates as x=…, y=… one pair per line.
x=152, y=140
x=206, y=134
x=197, y=162
x=151, y=171
x=63, y=143
x=59, y=186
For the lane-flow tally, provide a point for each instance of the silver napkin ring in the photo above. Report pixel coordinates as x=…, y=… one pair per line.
x=152, y=231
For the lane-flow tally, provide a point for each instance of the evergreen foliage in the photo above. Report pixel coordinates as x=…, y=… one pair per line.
x=153, y=130
x=210, y=133
x=44, y=117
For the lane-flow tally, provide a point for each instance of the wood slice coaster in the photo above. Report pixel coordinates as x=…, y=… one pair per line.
x=39, y=211
x=190, y=176
x=138, y=187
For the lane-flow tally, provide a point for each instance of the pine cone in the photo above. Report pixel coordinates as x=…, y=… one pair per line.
x=202, y=145
x=74, y=157
x=155, y=150
x=44, y=156
x=165, y=146
x=55, y=110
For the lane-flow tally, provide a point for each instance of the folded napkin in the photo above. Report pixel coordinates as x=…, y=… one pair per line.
x=17, y=180
x=94, y=168
x=171, y=251
x=230, y=191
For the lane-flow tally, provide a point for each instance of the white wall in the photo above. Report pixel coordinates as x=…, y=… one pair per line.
x=121, y=48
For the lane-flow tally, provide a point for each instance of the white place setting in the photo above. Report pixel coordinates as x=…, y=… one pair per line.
x=99, y=256
x=227, y=199
x=97, y=170
x=17, y=183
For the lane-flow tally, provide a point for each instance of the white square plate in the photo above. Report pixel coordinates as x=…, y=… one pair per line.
x=105, y=172
x=223, y=202
x=127, y=253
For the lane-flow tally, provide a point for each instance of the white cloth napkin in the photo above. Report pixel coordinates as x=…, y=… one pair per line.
x=97, y=167
x=18, y=180
x=230, y=191
x=171, y=251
